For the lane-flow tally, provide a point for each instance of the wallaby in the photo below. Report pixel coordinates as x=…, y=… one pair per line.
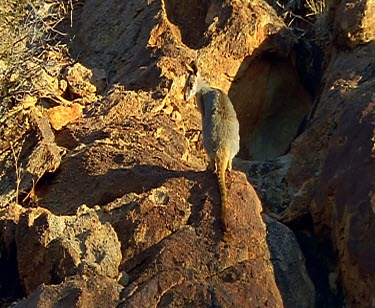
x=220, y=128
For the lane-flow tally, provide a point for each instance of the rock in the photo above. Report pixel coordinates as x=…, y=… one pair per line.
x=235, y=42
x=27, y=161
x=332, y=155
x=338, y=177
x=344, y=203
x=132, y=174
x=123, y=278
x=136, y=159
x=268, y=179
x=60, y=116
x=295, y=285
x=270, y=107
x=96, y=291
x=63, y=246
x=354, y=24
x=81, y=82
x=43, y=82
x=194, y=265
x=10, y=287
x=131, y=159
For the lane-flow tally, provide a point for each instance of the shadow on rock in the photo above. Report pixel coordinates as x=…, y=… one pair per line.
x=272, y=106
x=101, y=40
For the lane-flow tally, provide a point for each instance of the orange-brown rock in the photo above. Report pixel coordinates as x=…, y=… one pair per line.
x=29, y=152
x=60, y=116
x=62, y=246
x=166, y=211
x=193, y=264
x=96, y=291
x=244, y=49
x=83, y=82
x=136, y=160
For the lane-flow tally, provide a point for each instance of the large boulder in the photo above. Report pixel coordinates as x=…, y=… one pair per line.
x=194, y=265
x=96, y=291
x=329, y=173
x=136, y=158
x=343, y=204
x=332, y=170
x=295, y=285
x=62, y=246
x=230, y=41
x=28, y=151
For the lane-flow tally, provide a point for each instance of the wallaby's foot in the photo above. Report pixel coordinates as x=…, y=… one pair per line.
x=229, y=168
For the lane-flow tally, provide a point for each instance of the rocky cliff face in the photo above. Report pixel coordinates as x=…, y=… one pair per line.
x=104, y=194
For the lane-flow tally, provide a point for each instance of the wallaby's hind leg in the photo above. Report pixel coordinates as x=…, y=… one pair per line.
x=229, y=167
x=212, y=165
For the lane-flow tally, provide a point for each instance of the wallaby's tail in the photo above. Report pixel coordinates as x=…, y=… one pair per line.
x=221, y=165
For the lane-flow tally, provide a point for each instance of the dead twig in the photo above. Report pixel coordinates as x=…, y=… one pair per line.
x=17, y=168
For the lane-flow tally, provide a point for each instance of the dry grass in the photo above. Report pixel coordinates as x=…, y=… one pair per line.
x=297, y=12
x=29, y=47
x=315, y=7
x=28, y=30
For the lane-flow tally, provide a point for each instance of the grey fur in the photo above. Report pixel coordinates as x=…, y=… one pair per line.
x=220, y=128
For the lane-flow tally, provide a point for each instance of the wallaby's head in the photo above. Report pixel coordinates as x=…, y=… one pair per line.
x=191, y=86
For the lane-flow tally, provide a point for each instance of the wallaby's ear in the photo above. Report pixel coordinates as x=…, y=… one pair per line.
x=192, y=68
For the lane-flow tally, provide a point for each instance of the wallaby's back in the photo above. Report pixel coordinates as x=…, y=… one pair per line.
x=220, y=126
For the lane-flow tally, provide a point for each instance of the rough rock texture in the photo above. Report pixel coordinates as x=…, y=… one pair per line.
x=332, y=170
x=231, y=42
x=135, y=159
x=164, y=230
x=329, y=174
x=295, y=285
x=23, y=164
x=353, y=23
x=75, y=292
x=62, y=246
x=268, y=179
x=334, y=185
x=60, y=116
x=343, y=204
x=193, y=265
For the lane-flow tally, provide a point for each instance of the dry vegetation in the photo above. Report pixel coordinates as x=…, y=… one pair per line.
x=31, y=57
x=315, y=7
x=29, y=32
x=299, y=11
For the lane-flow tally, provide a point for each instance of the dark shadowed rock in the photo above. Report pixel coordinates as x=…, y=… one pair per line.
x=295, y=285
x=353, y=21
x=10, y=287
x=343, y=207
x=268, y=179
x=333, y=167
